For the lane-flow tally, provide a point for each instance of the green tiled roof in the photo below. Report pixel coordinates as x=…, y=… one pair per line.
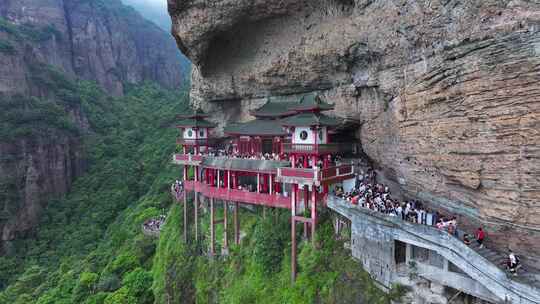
x=192, y=122
x=193, y=113
x=275, y=109
x=312, y=101
x=310, y=119
x=256, y=127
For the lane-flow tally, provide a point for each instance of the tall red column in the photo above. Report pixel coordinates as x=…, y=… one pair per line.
x=313, y=212
x=212, y=231
x=294, y=196
x=306, y=206
x=236, y=224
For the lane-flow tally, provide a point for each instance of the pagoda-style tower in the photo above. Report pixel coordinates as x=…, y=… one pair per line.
x=309, y=130
x=265, y=133
x=195, y=131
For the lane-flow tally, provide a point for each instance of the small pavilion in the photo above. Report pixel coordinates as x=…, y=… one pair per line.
x=309, y=129
x=194, y=130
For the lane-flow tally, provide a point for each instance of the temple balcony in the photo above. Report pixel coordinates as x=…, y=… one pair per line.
x=187, y=159
x=315, y=176
x=241, y=196
x=196, y=142
x=334, y=148
x=283, y=170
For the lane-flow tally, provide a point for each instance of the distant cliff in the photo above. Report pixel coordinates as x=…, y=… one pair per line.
x=46, y=46
x=98, y=40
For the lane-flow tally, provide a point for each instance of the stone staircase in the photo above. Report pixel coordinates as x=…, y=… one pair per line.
x=525, y=275
x=482, y=264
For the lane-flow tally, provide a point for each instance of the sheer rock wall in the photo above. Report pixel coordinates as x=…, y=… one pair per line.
x=446, y=92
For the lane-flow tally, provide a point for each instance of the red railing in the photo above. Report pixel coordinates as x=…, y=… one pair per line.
x=235, y=195
x=317, y=175
x=317, y=149
x=195, y=142
x=187, y=158
x=337, y=171
x=297, y=172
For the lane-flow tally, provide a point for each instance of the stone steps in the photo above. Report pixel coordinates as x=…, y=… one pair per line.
x=498, y=259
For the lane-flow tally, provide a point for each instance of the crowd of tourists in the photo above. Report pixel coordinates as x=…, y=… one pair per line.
x=177, y=189
x=299, y=162
x=367, y=193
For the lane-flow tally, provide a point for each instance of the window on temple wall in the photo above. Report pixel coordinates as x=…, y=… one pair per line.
x=303, y=135
x=190, y=133
x=321, y=135
x=201, y=133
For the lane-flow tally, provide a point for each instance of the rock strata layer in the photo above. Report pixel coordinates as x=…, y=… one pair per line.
x=446, y=93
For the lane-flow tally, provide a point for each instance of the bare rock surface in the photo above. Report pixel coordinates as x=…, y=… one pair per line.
x=446, y=93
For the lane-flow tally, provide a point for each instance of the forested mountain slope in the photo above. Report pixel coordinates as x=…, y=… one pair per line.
x=46, y=46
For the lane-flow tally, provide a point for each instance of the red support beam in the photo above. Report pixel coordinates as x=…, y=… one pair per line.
x=225, y=225
x=212, y=229
x=236, y=220
x=293, y=249
x=196, y=207
x=185, y=216
x=313, y=212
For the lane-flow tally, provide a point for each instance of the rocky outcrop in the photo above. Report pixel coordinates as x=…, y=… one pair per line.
x=102, y=41
x=44, y=45
x=446, y=92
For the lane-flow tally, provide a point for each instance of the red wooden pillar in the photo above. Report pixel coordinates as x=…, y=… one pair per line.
x=225, y=225
x=212, y=231
x=313, y=212
x=306, y=206
x=266, y=181
x=294, y=193
x=271, y=184
x=185, y=207
x=326, y=163
x=236, y=225
x=196, y=207
x=306, y=161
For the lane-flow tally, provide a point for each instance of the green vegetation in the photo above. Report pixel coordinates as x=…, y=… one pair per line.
x=89, y=247
x=29, y=32
x=258, y=271
x=7, y=48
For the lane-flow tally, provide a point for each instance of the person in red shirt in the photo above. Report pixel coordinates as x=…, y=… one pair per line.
x=480, y=235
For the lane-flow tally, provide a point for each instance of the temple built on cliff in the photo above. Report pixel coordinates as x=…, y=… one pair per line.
x=291, y=156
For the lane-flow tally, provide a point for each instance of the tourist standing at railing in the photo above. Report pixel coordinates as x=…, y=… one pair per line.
x=480, y=236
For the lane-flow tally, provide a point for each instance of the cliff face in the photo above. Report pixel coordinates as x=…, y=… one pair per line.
x=446, y=92
x=44, y=46
x=97, y=40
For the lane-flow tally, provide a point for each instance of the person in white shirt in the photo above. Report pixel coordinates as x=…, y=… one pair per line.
x=513, y=262
x=399, y=211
